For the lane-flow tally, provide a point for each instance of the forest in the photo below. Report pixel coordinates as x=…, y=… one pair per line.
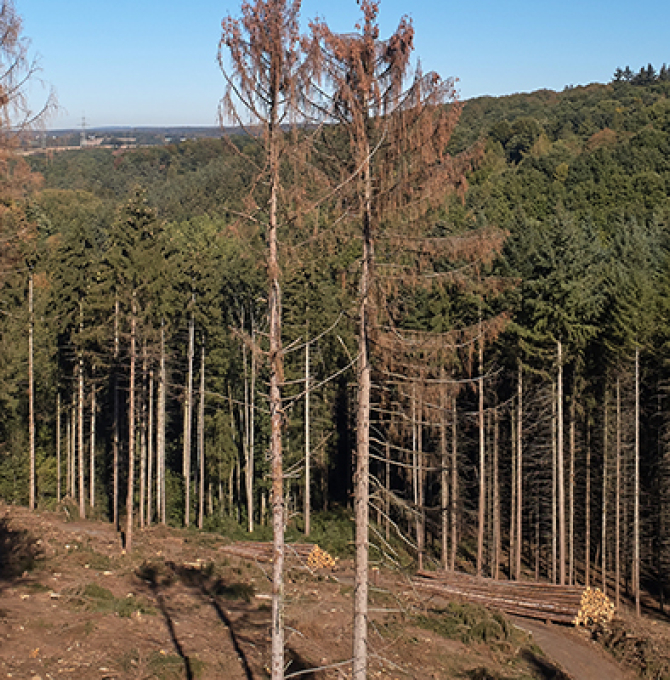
x=454, y=314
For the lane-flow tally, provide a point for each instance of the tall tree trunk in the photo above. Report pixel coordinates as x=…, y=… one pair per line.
x=73, y=443
x=276, y=377
x=603, y=549
x=519, y=472
x=31, y=391
x=617, y=500
x=308, y=481
x=188, y=406
x=636, y=491
x=571, y=494
x=150, y=451
x=201, y=441
x=361, y=491
x=587, y=522
x=444, y=475
x=454, y=484
x=250, y=430
x=58, y=447
x=496, y=497
x=117, y=415
x=91, y=480
x=561, y=468
x=513, y=487
x=481, y=517
x=160, y=434
x=554, y=485
x=131, y=429
x=143, y=439
x=80, y=439
x=421, y=510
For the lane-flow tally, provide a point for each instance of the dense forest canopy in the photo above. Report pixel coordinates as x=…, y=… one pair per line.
x=518, y=334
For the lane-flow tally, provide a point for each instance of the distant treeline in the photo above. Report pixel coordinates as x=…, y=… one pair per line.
x=645, y=76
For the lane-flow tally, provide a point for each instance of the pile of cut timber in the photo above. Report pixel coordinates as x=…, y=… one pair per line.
x=262, y=552
x=533, y=600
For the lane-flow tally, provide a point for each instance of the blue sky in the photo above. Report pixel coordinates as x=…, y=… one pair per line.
x=153, y=62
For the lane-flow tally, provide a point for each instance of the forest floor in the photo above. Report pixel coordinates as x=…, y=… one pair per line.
x=74, y=605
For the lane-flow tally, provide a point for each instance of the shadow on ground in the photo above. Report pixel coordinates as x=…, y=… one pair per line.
x=248, y=627
x=19, y=551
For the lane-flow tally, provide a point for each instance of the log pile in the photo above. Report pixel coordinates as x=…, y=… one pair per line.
x=596, y=608
x=295, y=554
x=545, y=601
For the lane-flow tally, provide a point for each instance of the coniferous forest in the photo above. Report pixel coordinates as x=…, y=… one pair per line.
x=375, y=303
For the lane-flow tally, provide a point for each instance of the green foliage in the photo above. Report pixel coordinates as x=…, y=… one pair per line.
x=96, y=598
x=468, y=623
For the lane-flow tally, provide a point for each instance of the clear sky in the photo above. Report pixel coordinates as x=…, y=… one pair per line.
x=153, y=62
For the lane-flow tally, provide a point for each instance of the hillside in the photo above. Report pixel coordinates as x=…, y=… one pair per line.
x=75, y=606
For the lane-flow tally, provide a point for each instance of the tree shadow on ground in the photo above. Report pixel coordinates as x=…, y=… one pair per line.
x=545, y=669
x=247, y=628
x=19, y=552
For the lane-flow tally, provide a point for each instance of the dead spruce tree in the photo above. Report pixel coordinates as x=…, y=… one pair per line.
x=391, y=125
x=263, y=67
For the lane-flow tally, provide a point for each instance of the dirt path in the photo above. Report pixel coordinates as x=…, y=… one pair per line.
x=577, y=656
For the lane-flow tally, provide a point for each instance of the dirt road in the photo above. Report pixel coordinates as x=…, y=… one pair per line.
x=577, y=656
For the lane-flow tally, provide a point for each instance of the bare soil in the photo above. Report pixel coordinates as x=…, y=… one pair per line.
x=73, y=605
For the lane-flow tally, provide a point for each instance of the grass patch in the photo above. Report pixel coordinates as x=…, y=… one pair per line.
x=467, y=623
x=171, y=666
x=95, y=598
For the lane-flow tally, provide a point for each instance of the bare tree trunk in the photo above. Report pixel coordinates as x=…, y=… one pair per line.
x=58, y=445
x=246, y=437
x=603, y=555
x=361, y=490
x=150, y=451
x=444, y=475
x=554, y=485
x=31, y=391
x=513, y=501
x=68, y=451
x=201, y=441
x=519, y=472
x=454, y=483
x=421, y=516
x=617, y=500
x=160, y=434
x=636, y=492
x=561, y=468
x=481, y=518
x=91, y=480
x=308, y=499
x=387, y=484
x=252, y=429
x=131, y=430
x=571, y=495
x=276, y=410
x=496, y=498
x=143, y=439
x=188, y=407
x=80, y=438
x=73, y=444
x=115, y=426
x=587, y=527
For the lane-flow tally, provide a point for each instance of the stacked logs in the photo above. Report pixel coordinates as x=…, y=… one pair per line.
x=320, y=559
x=595, y=608
x=296, y=554
x=545, y=601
